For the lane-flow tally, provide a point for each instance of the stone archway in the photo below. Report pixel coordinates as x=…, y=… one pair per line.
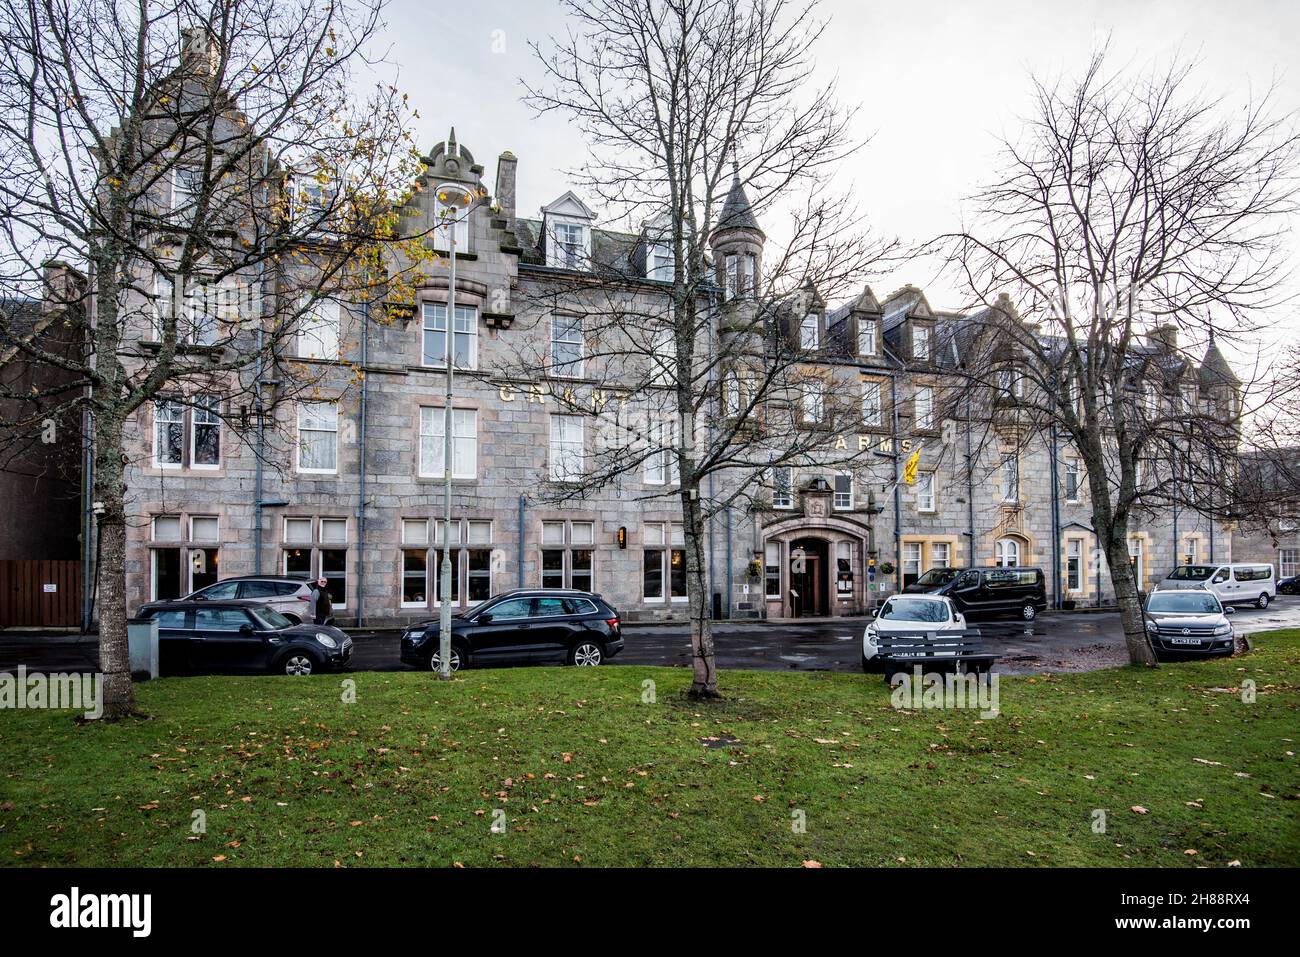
x=823, y=589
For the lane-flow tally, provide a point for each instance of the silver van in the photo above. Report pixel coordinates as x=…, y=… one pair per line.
x=1232, y=584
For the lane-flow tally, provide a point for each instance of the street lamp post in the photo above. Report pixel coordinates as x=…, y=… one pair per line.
x=454, y=203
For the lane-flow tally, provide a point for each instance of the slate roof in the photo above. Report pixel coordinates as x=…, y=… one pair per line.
x=736, y=211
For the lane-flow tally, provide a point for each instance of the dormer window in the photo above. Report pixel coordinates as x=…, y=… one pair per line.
x=921, y=343
x=659, y=262
x=866, y=337
x=569, y=246
x=810, y=332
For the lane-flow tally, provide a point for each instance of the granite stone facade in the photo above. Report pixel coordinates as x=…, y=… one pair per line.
x=369, y=521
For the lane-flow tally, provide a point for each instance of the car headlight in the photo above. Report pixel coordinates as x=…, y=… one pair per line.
x=1224, y=629
x=415, y=635
x=326, y=640
x=1152, y=626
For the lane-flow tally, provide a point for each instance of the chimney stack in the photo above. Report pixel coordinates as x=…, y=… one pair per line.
x=504, y=194
x=1164, y=337
x=199, y=51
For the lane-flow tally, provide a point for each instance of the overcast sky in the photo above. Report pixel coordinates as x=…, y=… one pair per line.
x=937, y=82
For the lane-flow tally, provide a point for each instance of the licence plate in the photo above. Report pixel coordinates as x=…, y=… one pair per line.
x=1185, y=641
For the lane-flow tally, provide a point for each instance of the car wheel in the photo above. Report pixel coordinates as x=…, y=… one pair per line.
x=457, y=659
x=1029, y=612
x=1263, y=601
x=586, y=654
x=298, y=663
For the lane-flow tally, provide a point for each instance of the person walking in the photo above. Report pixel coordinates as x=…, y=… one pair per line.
x=324, y=608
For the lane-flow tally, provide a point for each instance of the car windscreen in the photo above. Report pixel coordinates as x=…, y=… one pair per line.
x=1191, y=573
x=937, y=576
x=914, y=609
x=1183, y=602
x=272, y=618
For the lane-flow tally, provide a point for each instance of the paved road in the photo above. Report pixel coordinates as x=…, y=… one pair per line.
x=1055, y=642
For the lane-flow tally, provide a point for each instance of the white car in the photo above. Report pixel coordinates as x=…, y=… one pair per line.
x=903, y=614
x=1240, y=584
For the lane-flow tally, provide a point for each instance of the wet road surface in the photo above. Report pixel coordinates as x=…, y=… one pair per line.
x=1057, y=641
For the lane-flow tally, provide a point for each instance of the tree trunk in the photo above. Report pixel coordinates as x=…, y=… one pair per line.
x=1127, y=598
x=704, y=679
x=114, y=650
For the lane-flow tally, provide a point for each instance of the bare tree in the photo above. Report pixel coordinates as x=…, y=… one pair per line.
x=1132, y=210
x=202, y=176
x=704, y=114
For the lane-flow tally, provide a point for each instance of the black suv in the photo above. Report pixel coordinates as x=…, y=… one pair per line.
x=987, y=591
x=196, y=637
x=525, y=625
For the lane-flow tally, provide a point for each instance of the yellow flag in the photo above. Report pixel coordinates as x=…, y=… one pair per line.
x=909, y=468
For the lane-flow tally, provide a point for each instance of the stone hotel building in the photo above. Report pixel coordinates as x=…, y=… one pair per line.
x=354, y=496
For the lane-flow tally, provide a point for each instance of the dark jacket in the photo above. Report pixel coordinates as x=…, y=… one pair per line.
x=324, y=607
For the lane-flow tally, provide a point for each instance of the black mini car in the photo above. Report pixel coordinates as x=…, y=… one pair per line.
x=527, y=625
x=200, y=637
x=1289, y=586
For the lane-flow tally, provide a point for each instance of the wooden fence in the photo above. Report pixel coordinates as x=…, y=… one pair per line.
x=40, y=594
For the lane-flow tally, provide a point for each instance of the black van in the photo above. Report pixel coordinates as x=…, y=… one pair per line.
x=987, y=591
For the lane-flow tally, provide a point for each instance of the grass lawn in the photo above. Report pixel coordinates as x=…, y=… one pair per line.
x=587, y=773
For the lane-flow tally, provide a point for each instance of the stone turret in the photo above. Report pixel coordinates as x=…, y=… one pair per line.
x=737, y=244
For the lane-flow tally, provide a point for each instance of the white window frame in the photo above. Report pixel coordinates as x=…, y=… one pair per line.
x=464, y=442
x=1288, y=562
x=1010, y=469
x=302, y=407
x=178, y=198
x=866, y=337
x=912, y=557
x=561, y=448
x=428, y=327
x=923, y=398
x=661, y=466
x=569, y=253
x=814, y=401
x=212, y=409
x=921, y=343
x=842, y=501
x=456, y=227
x=1072, y=469
x=570, y=336
x=1006, y=552
x=1139, y=553
x=654, y=268
x=783, y=499
x=938, y=548
x=873, y=414
x=1074, y=569
x=159, y=421
x=810, y=332
x=926, y=495
x=320, y=330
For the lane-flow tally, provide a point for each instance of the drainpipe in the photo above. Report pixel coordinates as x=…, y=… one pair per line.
x=1056, y=521
x=361, y=452
x=970, y=488
x=730, y=567
x=88, y=480
x=898, y=478
x=259, y=407
x=519, y=545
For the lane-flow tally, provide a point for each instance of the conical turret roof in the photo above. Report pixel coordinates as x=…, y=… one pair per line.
x=1215, y=369
x=736, y=211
